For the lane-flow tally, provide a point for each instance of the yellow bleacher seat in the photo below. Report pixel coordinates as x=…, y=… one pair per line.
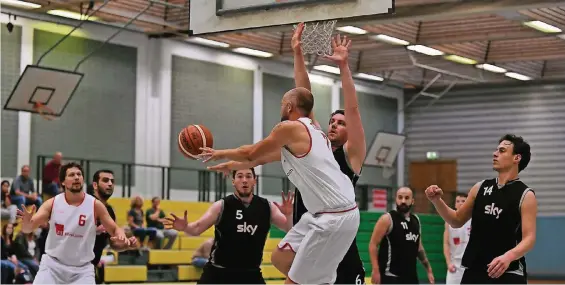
x=187, y=242
x=188, y=272
x=158, y=256
x=270, y=272
x=271, y=244
x=125, y=273
x=368, y=280
x=274, y=281
x=111, y=252
x=267, y=257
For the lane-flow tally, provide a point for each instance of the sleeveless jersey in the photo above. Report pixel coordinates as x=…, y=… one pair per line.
x=458, y=240
x=241, y=233
x=72, y=231
x=398, y=250
x=496, y=226
x=317, y=173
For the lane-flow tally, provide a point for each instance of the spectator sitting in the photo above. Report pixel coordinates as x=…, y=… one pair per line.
x=135, y=222
x=11, y=267
x=27, y=251
x=51, y=175
x=202, y=254
x=154, y=218
x=9, y=210
x=23, y=190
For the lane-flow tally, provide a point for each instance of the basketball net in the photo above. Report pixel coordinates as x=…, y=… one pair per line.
x=44, y=111
x=388, y=171
x=316, y=37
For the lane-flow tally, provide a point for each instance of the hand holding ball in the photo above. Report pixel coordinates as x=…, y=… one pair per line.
x=192, y=138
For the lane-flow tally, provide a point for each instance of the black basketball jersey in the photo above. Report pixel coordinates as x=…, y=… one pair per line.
x=496, y=224
x=341, y=158
x=241, y=233
x=398, y=250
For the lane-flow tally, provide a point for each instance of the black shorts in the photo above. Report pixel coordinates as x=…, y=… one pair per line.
x=350, y=269
x=471, y=276
x=399, y=280
x=215, y=275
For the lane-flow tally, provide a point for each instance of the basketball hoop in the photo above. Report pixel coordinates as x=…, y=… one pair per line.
x=316, y=37
x=44, y=111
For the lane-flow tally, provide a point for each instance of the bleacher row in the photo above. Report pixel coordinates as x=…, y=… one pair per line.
x=174, y=265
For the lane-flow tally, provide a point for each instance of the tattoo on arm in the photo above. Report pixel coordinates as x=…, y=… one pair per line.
x=423, y=259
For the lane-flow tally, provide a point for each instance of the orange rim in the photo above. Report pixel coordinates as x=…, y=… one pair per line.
x=44, y=111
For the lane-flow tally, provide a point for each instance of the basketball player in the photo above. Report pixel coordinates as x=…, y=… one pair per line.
x=503, y=212
x=322, y=237
x=454, y=243
x=103, y=188
x=242, y=223
x=399, y=234
x=347, y=140
x=72, y=230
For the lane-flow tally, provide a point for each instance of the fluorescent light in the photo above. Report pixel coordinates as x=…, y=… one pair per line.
x=252, y=52
x=543, y=27
x=460, y=59
x=517, y=76
x=390, y=40
x=18, y=3
x=369, y=76
x=71, y=15
x=352, y=30
x=562, y=36
x=491, y=68
x=425, y=50
x=327, y=68
x=208, y=42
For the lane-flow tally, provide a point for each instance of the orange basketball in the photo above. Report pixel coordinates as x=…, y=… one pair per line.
x=192, y=138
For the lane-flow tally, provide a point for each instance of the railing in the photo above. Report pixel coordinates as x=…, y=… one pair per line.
x=207, y=181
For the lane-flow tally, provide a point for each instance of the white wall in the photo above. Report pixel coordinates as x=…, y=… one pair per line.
x=153, y=102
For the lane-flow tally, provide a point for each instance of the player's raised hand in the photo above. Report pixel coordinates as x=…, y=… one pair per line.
x=210, y=154
x=296, y=41
x=120, y=236
x=341, y=49
x=433, y=192
x=25, y=215
x=176, y=223
x=226, y=167
x=287, y=202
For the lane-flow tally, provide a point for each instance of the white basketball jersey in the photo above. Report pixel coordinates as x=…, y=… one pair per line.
x=317, y=174
x=458, y=239
x=72, y=231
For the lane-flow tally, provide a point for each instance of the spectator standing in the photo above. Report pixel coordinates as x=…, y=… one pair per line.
x=51, y=175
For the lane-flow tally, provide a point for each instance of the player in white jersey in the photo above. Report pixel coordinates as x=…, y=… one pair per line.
x=72, y=231
x=311, y=251
x=454, y=243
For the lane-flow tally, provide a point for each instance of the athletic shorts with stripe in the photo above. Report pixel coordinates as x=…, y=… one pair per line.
x=320, y=242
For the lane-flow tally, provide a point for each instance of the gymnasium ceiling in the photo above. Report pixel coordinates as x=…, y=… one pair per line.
x=486, y=31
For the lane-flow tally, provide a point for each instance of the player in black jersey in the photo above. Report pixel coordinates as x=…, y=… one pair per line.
x=242, y=222
x=102, y=189
x=399, y=235
x=348, y=144
x=503, y=212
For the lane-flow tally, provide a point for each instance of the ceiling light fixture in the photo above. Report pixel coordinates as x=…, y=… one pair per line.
x=71, y=15
x=425, y=50
x=252, y=52
x=543, y=27
x=491, y=68
x=327, y=68
x=517, y=76
x=389, y=39
x=460, y=59
x=18, y=3
x=208, y=42
x=369, y=77
x=352, y=30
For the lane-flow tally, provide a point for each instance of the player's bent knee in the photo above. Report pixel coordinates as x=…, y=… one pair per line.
x=282, y=259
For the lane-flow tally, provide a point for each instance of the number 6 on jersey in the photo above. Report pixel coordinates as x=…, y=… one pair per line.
x=81, y=220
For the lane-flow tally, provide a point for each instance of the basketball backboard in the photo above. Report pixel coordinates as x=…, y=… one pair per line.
x=208, y=16
x=384, y=149
x=49, y=87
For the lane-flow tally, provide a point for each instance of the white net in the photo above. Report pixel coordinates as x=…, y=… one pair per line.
x=316, y=37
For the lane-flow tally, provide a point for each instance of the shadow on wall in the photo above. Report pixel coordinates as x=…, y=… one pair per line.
x=546, y=261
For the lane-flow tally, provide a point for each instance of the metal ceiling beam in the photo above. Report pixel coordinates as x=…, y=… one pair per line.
x=455, y=10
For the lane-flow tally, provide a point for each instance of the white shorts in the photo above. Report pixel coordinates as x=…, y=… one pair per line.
x=455, y=277
x=52, y=271
x=320, y=243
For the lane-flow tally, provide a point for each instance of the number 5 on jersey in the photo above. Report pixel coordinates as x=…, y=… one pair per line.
x=238, y=215
x=81, y=220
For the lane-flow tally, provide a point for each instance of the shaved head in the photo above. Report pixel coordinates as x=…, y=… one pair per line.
x=298, y=100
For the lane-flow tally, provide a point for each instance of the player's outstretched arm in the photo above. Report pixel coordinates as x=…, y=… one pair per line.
x=282, y=134
x=355, y=146
x=281, y=214
x=117, y=233
x=31, y=220
x=228, y=167
x=301, y=78
x=446, y=252
x=454, y=218
x=195, y=228
x=381, y=228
